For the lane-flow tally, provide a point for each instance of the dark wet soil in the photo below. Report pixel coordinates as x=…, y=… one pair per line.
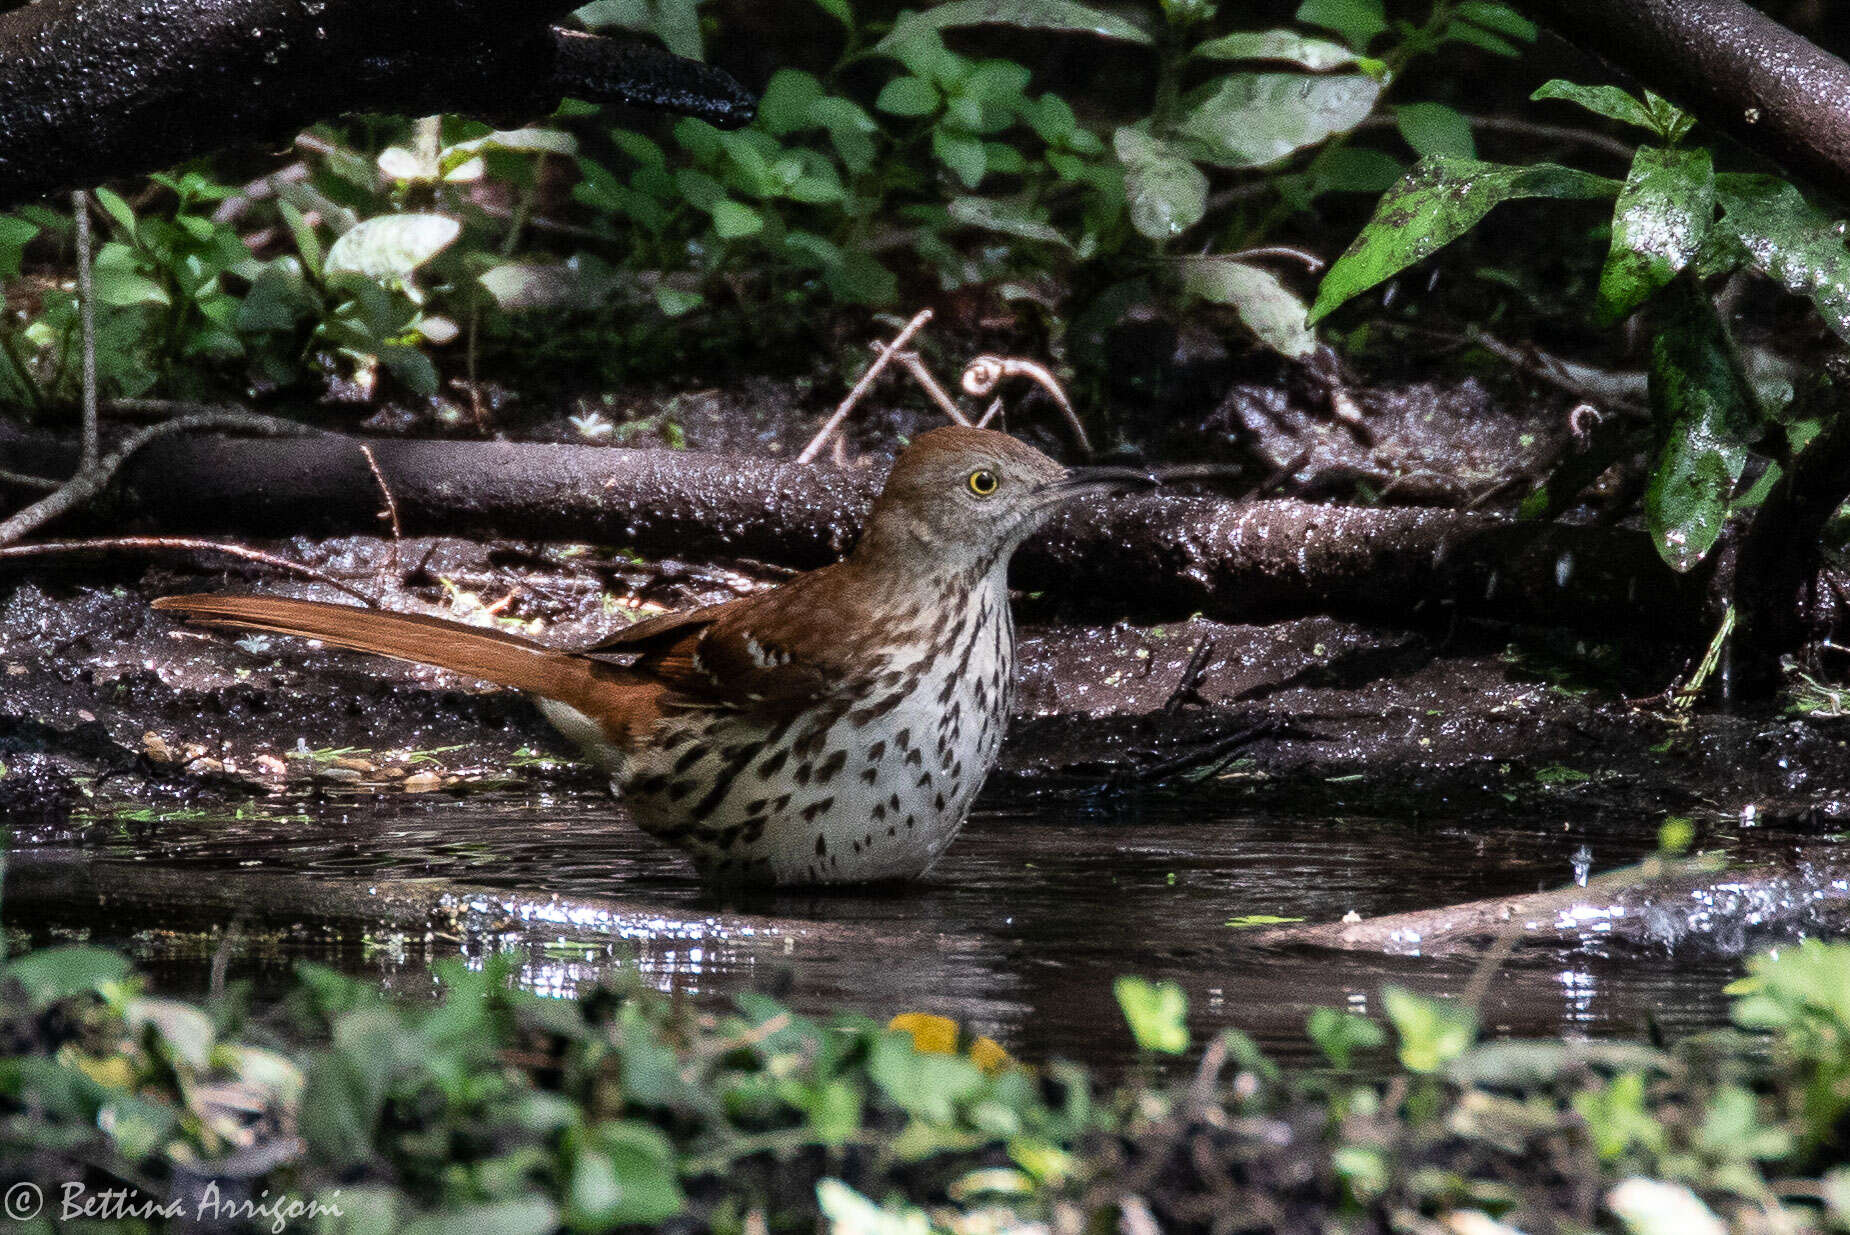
x=1401, y=771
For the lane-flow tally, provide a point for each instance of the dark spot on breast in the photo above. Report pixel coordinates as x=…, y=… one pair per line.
x=816, y=808
x=679, y=790
x=822, y=845
x=770, y=767
x=938, y=803
x=830, y=766
x=924, y=780
x=648, y=786
x=688, y=759
x=805, y=770
x=783, y=800
x=903, y=739
x=870, y=775
x=915, y=759
x=879, y=811
x=876, y=752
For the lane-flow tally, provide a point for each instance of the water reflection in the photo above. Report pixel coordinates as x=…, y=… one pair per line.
x=1018, y=934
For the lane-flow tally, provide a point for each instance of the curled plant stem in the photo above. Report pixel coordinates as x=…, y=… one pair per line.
x=985, y=373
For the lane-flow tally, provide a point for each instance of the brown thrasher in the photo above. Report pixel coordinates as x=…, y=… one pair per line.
x=834, y=729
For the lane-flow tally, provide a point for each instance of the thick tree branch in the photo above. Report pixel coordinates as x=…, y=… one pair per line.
x=101, y=89
x=1158, y=557
x=1736, y=68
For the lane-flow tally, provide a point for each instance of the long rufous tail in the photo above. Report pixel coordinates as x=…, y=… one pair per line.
x=506, y=660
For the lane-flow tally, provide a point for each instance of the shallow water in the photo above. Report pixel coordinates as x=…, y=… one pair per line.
x=1018, y=933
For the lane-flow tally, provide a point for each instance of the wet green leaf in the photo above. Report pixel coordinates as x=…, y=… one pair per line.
x=1660, y=221
x=1033, y=14
x=735, y=220
x=117, y=277
x=962, y=154
x=1318, y=55
x=1254, y=119
x=1701, y=399
x=1270, y=310
x=1608, y=101
x=1166, y=193
x=1790, y=240
x=391, y=246
x=1437, y=202
x=1157, y=1013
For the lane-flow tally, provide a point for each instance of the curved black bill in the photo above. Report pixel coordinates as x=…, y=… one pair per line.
x=1082, y=480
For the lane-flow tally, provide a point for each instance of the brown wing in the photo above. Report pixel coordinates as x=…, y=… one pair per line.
x=773, y=653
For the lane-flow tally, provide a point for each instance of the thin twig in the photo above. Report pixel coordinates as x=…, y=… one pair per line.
x=391, y=503
x=881, y=359
x=45, y=548
x=923, y=376
x=90, y=481
x=161, y=409
x=985, y=373
x=86, y=299
x=20, y=480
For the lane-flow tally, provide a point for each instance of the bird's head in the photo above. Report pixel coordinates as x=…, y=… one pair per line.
x=966, y=498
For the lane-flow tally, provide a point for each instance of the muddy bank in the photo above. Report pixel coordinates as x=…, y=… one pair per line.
x=1355, y=710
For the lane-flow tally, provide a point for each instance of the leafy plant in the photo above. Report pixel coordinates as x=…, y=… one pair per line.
x=1675, y=222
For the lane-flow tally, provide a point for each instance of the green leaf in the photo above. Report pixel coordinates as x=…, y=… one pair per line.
x=1435, y=130
x=673, y=302
x=118, y=210
x=1031, y=14
x=15, y=234
x=116, y=275
x=51, y=974
x=1789, y=240
x=527, y=1215
x=1157, y=1013
x=1432, y=1032
x=391, y=246
x=1317, y=55
x=1701, y=399
x=962, y=154
x=735, y=220
x=1005, y=217
x=1498, y=17
x=1166, y=193
x=1437, y=202
x=789, y=101
x=928, y=1086
x=1270, y=309
x=1608, y=101
x=1254, y=119
x=839, y=10
x=1660, y=221
x=908, y=96
x=1358, y=21
x=1340, y=1034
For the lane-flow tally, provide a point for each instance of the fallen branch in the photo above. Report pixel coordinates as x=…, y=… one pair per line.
x=105, y=89
x=93, y=477
x=1663, y=907
x=1155, y=557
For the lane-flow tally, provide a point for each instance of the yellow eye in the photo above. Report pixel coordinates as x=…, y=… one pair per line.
x=983, y=482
